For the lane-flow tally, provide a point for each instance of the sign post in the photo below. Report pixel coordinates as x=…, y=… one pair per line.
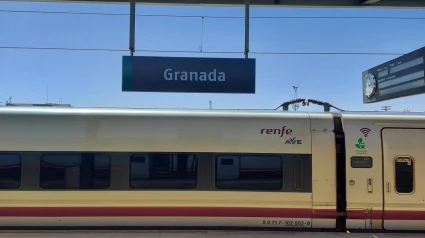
x=246, y=51
x=132, y=46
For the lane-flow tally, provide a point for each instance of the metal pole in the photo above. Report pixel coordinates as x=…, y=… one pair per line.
x=246, y=28
x=132, y=26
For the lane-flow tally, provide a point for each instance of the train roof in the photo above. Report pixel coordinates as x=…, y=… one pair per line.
x=115, y=111
x=373, y=116
x=144, y=111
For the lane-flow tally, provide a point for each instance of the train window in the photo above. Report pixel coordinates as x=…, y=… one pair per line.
x=404, y=180
x=75, y=171
x=163, y=171
x=10, y=171
x=249, y=172
x=298, y=173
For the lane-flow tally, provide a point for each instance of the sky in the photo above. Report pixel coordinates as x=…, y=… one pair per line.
x=93, y=78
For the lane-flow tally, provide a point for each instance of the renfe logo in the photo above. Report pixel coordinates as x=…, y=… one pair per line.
x=280, y=132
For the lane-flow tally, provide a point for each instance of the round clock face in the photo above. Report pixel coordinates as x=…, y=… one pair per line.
x=370, y=85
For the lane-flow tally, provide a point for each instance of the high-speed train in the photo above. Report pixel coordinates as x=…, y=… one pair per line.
x=100, y=167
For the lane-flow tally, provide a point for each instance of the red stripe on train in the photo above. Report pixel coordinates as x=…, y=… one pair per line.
x=165, y=211
x=204, y=212
x=363, y=214
x=386, y=215
x=404, y=215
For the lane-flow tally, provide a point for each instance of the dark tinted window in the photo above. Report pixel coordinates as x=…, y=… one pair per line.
x=298, y=173
x=249, y=172
x=404, y=175
x=10, y=171
x=226, y=162
x=75, y=171
x=163, y=171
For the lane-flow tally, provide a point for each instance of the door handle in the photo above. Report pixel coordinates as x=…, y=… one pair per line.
x=388, y=187
x=369, y=185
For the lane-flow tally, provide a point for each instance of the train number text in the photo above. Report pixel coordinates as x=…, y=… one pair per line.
x=287, y=223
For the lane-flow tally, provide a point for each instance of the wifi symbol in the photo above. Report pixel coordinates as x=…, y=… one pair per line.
x=365, y=131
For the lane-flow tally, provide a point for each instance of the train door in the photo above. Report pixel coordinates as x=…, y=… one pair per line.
x=404, y=167
x=229, y=167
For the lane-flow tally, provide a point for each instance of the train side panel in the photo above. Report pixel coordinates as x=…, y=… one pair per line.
x=226, y=142
x=155, y=208
x=78, y=130
x=363, y=172
x=324, y=165
x=404, y=171
x=376, y=147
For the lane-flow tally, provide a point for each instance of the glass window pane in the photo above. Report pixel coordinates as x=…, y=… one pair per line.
x=163, y=171
x=298, y=173
x=246, y=172
x=75, y=171
x=404, y=175
x=10, y=171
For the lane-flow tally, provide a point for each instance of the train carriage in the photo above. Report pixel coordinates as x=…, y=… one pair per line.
x=100, y=167
x=384, y=165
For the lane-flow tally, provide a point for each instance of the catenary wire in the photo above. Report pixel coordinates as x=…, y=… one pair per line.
x=194, y=51
x=210, y=16
x=200, y=16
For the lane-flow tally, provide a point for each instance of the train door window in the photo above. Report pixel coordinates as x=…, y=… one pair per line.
x=404, y=174
x=75, y=171
x=163, y=171
x=10, y=171
x=251, y=173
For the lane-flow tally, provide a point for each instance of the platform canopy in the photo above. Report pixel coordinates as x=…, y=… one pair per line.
x=268, y=3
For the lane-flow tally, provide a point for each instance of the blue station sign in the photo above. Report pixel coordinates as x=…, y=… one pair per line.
x=188, y=75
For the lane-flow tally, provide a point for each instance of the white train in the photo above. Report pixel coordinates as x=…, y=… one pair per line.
x=83, y=167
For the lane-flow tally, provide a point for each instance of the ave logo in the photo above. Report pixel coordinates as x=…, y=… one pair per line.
x=293, y=141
